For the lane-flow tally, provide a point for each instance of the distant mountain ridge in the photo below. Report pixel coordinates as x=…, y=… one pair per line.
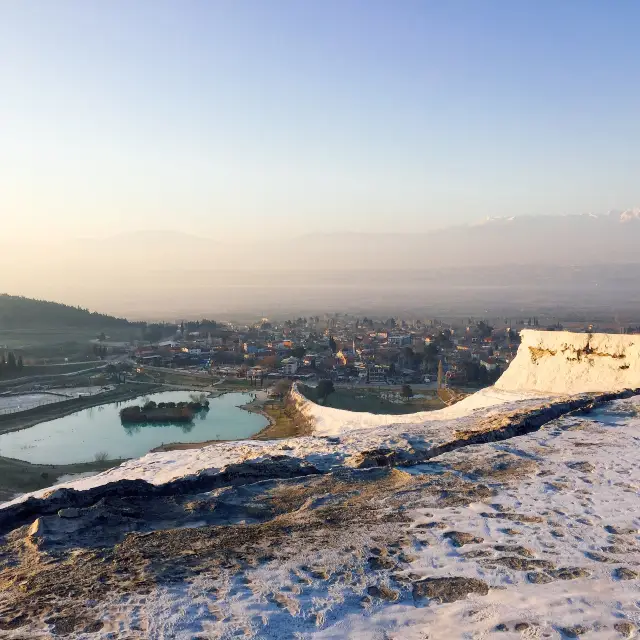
x=575, y=239
x=610, y=238
x=615, y=215
x=587, y=260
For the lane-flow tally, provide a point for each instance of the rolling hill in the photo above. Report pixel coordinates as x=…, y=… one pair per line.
x=20, y=313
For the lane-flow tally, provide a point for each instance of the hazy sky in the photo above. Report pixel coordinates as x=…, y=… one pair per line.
x=243, y=117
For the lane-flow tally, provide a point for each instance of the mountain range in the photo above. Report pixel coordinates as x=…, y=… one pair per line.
x=582, y=260
x=611, y=238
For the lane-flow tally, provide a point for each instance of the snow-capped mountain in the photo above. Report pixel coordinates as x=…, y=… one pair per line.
x=630, y=214
x=586, y=239
x=614, y=215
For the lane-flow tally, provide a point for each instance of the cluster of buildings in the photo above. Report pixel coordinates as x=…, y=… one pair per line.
x=341, y=347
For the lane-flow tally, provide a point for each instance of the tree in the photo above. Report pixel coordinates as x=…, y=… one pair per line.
x=269, y=362
x=485, y=330
x=154, y=332
x=406, y=392
x=407, y=357
x=324, y=389
x=298, y=352
x=281, y=388
x=443, y=340
x=476, y=373
x=430, y=355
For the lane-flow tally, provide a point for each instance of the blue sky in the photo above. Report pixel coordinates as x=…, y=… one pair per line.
x=238, y=118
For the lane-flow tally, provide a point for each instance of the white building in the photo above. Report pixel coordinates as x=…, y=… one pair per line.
x=290, y=366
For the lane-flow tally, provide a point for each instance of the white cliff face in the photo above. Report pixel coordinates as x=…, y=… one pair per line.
x=569, y=363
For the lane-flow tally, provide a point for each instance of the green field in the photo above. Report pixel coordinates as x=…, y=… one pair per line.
x=375, y=401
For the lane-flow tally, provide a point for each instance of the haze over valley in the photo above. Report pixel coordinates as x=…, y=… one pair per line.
x=582, y=262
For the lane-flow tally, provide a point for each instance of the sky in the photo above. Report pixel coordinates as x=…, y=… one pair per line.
x=238, y=118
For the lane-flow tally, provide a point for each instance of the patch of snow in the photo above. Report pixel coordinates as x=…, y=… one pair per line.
x=72, y=477
x=25, y=401
x=630, y=214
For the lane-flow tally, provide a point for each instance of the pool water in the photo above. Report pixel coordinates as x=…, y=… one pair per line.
x=80, y=436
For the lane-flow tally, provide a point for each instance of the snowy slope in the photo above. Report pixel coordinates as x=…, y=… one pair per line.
x=552, y=525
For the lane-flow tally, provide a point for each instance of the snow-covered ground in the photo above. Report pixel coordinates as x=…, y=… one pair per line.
x=77, y=392
x=580, y=485
x=24, y=401
x=547, y=525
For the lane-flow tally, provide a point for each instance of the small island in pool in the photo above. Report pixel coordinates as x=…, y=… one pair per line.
x=165, y=411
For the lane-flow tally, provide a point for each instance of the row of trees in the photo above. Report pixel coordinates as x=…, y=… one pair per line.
x=9, y=363
x=425, y=361
x=324, y=389
x=479, y=375
x=100, y=351
x=157, y=331
x=301, y=322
